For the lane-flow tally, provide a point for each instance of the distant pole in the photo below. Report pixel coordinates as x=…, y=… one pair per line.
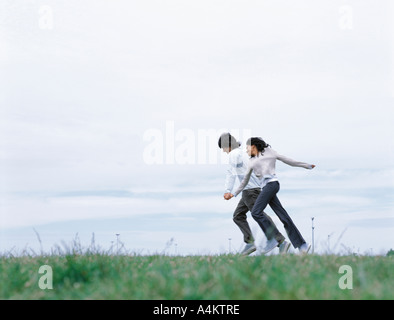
x=313, y=236
x=117, y=243
x=229, y=245
x=328, y=241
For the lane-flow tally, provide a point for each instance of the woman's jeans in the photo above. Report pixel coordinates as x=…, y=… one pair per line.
x=249, y=197
x=268, y=196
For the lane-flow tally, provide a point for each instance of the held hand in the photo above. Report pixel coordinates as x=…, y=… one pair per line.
x=228, y=196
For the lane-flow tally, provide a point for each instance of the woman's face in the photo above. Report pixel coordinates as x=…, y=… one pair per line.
x=251, y=151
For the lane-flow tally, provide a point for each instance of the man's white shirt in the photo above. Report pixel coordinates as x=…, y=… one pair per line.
x=238, y=164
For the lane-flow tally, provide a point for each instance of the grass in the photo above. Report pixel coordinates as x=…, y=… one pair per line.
x=105, y=276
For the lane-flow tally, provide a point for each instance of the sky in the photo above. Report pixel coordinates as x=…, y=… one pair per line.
x=110, y=113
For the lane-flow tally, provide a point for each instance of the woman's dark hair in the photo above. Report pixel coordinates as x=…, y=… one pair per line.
x=226, y=140
x=259, y=143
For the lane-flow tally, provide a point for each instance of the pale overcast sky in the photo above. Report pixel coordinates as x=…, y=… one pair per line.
x=89, y=88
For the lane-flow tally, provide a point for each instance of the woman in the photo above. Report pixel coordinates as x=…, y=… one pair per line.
x=262, y=163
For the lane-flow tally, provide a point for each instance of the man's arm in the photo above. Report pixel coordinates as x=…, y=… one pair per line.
x=230, y=180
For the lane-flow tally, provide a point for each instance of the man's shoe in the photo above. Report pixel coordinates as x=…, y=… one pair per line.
x=271, y=244
x=249, y=248
x=284, y=247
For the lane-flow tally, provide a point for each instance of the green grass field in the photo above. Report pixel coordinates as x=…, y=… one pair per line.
x=103, y=276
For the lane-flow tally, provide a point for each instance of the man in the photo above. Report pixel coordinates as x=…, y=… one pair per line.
x=238, y=161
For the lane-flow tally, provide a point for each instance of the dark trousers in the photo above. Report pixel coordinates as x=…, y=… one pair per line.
x=268, y=196
x=248, y=199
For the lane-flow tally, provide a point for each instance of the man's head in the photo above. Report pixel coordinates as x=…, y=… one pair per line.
x=227, y=142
